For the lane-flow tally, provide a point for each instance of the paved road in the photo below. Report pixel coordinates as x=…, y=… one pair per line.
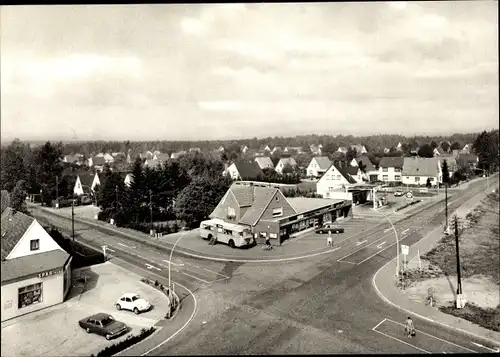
x=322, y=306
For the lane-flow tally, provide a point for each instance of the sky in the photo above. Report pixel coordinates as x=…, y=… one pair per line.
x=222, y=71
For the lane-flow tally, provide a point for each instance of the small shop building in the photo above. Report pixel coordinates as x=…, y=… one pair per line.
x=35, y=270
x=269, y=213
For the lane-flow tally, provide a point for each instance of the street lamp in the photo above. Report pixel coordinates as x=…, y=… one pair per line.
x=397, y=245
x=169, y=263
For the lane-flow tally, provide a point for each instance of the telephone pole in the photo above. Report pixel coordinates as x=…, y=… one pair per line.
x=116, y=202
x=446, y=206
x=459, y=280
x=73, y=219
x=57, y=191
x=150, y=212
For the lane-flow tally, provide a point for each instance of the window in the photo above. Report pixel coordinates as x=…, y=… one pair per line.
x=29, y=295
x=385, y=178
x=397, y=178
x=417, y=178
x=338, y=177
x=331, y=189
x=277, y=212
x=277, y=198
x=35, y=244
x=230, y=212
x=397, y=169
x=385, y=169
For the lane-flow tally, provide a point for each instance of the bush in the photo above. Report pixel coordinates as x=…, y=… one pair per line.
x=485, y=317
x=129, y=341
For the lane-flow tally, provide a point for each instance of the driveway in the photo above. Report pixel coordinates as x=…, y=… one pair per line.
x=55, y=331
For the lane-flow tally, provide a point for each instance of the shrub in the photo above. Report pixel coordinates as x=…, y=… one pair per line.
x=122, y=345
x=485, y=317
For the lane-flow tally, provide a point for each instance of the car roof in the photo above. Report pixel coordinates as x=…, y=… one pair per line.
x=99, y=316
x=129, y=295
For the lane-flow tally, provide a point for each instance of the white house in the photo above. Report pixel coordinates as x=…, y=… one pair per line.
x=35, y=270
x=243, y=170
x=467, y=149
x=108, y=158
x=97, y=162
x=417, y=170
x=127, y=178
x=318, y=166
x=151, y=163
x=276, y=149
x=264, y=162
x=360, y=149
x=83, y=184
x=163, y=158
x=334, y=182
x=244, y=149
x=438, y=151
x=293, y=149
x=364, y=161
x=176, y=155
x=342, y=149
x=390, y=169
x=284, y=162
x=316, y=149
x=356, y=173
x=399, y=147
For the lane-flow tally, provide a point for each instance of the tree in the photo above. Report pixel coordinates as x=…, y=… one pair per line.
x=445, y=146
x=198, y=199
x=445, y=172
x=48, y=167
x=456, y=146
x=425, y=151
x=18, y=197
x=351, y=154
x=13, y=165
x=428, y=183
x=434, y=144
x=329, y=148
x=113, y=199
x=486, y=147
x=362, y=166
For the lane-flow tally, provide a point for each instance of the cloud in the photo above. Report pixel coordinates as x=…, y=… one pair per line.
x=219, y=105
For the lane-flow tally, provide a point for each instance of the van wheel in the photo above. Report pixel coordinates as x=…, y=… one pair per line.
x=108, y=337
x=231, y=243
x=210, y=236
x=320, y=232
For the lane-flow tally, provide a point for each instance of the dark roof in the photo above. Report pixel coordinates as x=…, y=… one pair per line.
x=261, y=198
x=5, y=200
x=33, y=264
x=323, y=162
x=248, y=169
x=14, y=224
x=98, y=160
x=344, y=173
x=420, y=166
x=86, y=179
x=366, y=161
x=466, y=159
x=387, y=161
x=352, y=170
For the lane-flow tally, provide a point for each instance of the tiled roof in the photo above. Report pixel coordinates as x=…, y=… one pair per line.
x=248, y=169
x=33, y=264
x=163, y=157
x=467, y=159
x=14, y=224
x=387, y=161
x=264, y=161
x=288, y=161
x=303, y=204
x=351, y=170
x=344, y=173
x=152, y=163
x=419, y=166
x=323, y=162
x=98, y=160
x=243, y=194
x=261, y=199
x=366, y=161
x=86, y=179
x=5, y=200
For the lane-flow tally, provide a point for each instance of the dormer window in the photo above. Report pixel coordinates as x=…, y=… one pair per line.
x=34, y=244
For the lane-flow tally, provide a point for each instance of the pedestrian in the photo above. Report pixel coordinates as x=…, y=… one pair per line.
x=329, y=241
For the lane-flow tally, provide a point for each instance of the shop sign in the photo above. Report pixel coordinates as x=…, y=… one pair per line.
x=49, y=273
x=300, y=216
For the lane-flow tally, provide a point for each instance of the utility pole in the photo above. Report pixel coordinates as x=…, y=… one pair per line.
x=459, y=280
x=150, y=212
x=446, y=206
x=116, y=202
x=57, y=191
x=73, y=219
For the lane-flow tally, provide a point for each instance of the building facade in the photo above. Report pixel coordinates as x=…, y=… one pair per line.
x=390, y=169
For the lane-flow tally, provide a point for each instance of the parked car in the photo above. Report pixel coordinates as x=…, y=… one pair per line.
x=104, y=325
x=398, y=193
x=329, y=227
x=132, y=302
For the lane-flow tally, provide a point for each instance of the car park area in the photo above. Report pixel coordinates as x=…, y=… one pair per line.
x=55, y=331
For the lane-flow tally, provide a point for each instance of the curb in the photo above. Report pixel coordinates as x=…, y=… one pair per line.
x=383, y=297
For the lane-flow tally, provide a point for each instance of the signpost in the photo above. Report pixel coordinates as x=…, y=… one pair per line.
x=405, y=249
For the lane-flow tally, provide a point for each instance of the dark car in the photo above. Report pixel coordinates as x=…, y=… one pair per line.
x=104, y=325
x=329, y=227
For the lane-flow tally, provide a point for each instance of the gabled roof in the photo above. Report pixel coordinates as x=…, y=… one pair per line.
x=345, y=173
x=387, y=161
x=358, y=148
x=151, y=163
x=351, y=170
x=467, y=159
x=4, y=201
x=261, y=198
x=14, y=225
x=323, y=162
x=242, y=194
x=440, y=150
x=366, y=161
x=98, y=160
x=288, y=161
x=86, y=179
x=420, y=166
x=162, y=157
x=264, y=161
x=71, y=158
x=342, y=149
x=248, y=169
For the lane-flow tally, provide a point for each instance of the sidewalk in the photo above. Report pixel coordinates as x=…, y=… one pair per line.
x=384, y=284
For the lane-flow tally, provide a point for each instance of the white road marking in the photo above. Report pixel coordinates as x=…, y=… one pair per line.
x=179, y=265
x=195, y=277
x=380, y=323
x=387, y=230
x=489, y=349
x=352, y=253
x=359, y=243
x=149, y=266
x=210, y=271
x=381, y=244
x=406, y=343
x=437, y=338
x=111, y=250
x=406, y=230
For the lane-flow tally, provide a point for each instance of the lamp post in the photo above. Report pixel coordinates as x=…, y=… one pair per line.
x=397, y=245
x=169, y=263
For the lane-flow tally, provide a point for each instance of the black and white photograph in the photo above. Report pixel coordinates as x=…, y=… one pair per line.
x=256, y=178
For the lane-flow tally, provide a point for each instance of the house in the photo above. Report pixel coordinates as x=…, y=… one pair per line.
x=152, y=163
x=147, y=155
x=467, y=161
x=334, y=181
x=316, y=149
x=35, y=270
x=194, y=150
x=360, y=149
x=264, y=162
x=363, y=161
x=108, y=158
x=177, y=155
x=266, y=212
x=244, y=149
x=98, y=180
x=293, y=149
x=342, y=149
x=356, y=173
x=83, y=184
x=71, y=159
x=161, y=158
x=417, y=170
x=284, y=162
x=276, y=149
x=467, y=149
x=97, y=162
x=244, y=170
x=318, y=166
x=399, y=147
x=127, y=178
x=390, y=169
x=438, y=151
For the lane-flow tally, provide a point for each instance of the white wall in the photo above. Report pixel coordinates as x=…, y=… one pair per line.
x=78, y=189
x=128, y=180
x=280, y=167
x=338, y=194
x=410, y=180
x=312, y=168
x=95, y=181
x=331, y=180
x=391, y=174
x=35, y=231
x=52, y=294
x=232, y=171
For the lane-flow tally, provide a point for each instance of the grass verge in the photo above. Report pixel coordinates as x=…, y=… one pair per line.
x=484, y=317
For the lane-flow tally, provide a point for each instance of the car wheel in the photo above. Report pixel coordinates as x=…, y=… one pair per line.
x=108, y=337
x=136, y=311
x=320, y=232
x=118, y=307
x=231, y=243
x=88, y=330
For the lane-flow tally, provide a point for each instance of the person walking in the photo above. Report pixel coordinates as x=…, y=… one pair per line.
x=409, y=328
x=329, y=240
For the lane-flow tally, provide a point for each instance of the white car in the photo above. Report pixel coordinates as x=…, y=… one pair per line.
x=132, y=302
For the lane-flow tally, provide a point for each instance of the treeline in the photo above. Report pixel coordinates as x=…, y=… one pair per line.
x=371, y=142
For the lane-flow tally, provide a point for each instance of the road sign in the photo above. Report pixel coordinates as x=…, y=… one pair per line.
x=405, y=249
x=409, y=194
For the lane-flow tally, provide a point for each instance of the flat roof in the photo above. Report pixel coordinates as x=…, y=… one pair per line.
x=305, y=204
x=33, y=264
x=228, y=225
